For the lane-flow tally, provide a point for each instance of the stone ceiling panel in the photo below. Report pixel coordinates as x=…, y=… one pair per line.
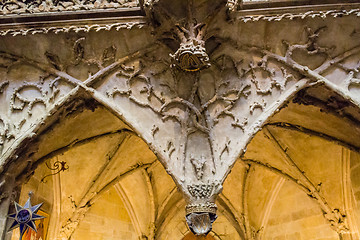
x=107, y=219
x=295, y=216
x=319, y=160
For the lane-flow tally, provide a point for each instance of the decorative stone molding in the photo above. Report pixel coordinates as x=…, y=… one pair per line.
x=292, y=16
x=8, y=7
x=302, y=13
x=181, y=57
x=201, y=208
x=202, y=191
x=3, y=194
x=72, y=28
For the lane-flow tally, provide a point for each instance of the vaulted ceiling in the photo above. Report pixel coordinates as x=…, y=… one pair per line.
x=115, y=188
x=297, y=179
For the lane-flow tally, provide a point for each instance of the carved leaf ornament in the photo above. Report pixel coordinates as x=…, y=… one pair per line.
x=22, y=7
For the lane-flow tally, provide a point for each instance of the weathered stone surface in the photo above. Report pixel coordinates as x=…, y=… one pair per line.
x=203, y=89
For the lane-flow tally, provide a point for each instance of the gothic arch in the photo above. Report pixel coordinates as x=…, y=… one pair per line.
x=181, y=106
x=319, y=123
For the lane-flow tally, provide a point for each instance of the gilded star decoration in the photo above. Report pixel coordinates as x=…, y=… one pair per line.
x=25, y=216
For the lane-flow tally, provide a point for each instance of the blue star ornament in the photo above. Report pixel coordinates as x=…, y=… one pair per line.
x=24, y=217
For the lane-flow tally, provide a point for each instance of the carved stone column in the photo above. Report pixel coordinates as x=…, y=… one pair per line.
x=6, y=190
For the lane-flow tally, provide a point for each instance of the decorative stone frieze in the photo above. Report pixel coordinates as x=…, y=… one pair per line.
x=268, y=17
x=8, y=7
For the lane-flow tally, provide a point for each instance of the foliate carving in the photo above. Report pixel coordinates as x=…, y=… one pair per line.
x=45, y=97
x=48, y=91
x=226, y=148
x=291, y=16
x=23, y=7
x=198, y=164
x=135, y=75
x=232, y=92
x=78, y=50
x=6, y=132
x=109, y=54
x=154, y=130
x=195, y=113
x=44, y=93
x=202, y=191
x=170, y=149
x=257, y=104
x=190, y=35
x=311, y=47
x=353, y=76
x=351, y=80
x=24, y=96
x=240, y=124
x=19, y=102
x=264, y=69
x=3, y=85
x=201, y=207
x=71, y=28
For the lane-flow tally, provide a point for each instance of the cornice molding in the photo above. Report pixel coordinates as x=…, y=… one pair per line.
x=129, y=18
x=73, y=26
x=16, y=7
x=292, y=13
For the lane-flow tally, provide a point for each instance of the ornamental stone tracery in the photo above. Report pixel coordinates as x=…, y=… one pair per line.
x=9, y=7
x=194, y=84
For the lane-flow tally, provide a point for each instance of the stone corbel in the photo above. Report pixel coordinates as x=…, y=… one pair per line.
x=201, y=207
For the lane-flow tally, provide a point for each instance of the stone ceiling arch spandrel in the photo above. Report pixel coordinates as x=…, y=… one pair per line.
x=197, y=110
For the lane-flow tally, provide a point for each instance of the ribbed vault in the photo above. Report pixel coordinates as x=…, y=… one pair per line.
x=152, y=113
x=299, y=172
x=114, y=187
